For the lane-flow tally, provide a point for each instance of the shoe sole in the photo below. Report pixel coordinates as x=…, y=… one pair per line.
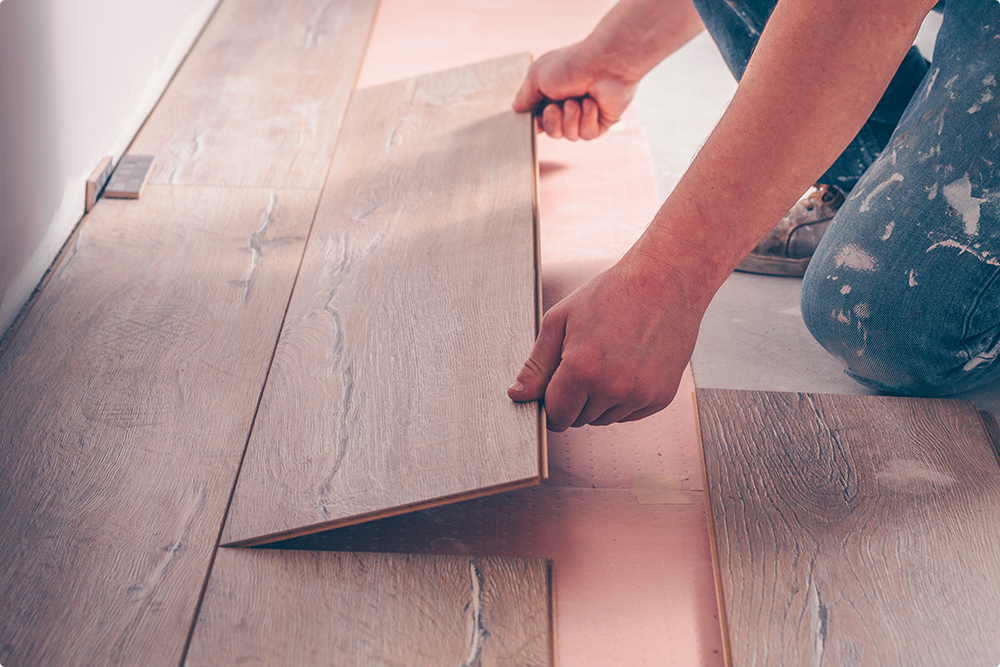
x=774, y=266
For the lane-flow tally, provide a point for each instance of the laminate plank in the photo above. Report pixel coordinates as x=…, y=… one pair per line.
x=126, y=397
x=260, y=97
x=271, y=607
x=415, y=305
x=853, y=530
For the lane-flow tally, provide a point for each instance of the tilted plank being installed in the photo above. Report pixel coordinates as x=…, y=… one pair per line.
x=259, y=98
x=126, y=397
x=414, y=309
x=853, y=530
x=261, y=607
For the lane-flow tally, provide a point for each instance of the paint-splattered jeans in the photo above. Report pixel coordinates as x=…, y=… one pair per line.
x=905, y=285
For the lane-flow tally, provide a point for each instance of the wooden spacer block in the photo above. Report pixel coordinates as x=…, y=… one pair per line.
x=96, y=183
x=130, y=177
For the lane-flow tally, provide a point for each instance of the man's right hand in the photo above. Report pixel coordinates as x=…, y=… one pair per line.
x=573, y=97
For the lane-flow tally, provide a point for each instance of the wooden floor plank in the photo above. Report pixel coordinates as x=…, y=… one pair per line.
x=260, y=97
x=126, y=398
x=853, y=530
x=263, y=607
x=416, y=305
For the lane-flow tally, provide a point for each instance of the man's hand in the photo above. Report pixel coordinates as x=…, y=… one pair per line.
x=580, y=91
x=572, y=97
x=614, y=350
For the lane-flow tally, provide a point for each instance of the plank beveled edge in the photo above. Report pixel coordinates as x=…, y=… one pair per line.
x=543, y=440
x=551, y=581
x=720, y=597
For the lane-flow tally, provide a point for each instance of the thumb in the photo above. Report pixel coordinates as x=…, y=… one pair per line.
x=534, y=376
x=529, y=97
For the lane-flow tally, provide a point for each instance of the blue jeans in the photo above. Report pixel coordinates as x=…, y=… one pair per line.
x=905, y=285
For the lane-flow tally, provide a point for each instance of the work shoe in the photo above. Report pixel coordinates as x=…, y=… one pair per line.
x=787, y=249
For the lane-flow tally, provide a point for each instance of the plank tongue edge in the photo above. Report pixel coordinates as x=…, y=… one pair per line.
x=720, y=597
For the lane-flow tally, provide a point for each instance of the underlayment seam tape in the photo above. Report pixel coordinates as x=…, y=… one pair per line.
x=659, y=490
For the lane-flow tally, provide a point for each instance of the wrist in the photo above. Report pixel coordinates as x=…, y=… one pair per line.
x=691, y=260
x=637, y=34
x=615, y=56
x=607, y=60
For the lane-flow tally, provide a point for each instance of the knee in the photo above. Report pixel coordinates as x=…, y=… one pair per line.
x=895, y=338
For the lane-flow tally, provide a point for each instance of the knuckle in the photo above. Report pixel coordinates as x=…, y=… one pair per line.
x=587, y=375
x=624, y=391
x=533, y=366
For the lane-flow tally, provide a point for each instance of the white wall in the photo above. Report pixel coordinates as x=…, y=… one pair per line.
x=77, y=79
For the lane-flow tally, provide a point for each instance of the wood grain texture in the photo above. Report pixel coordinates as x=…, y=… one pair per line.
x=271, y=607
x=126, y=397
x=853, y=530
x=260, y=97
x=415, y=306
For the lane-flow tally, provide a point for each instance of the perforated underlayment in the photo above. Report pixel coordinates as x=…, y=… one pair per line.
x=611, y=458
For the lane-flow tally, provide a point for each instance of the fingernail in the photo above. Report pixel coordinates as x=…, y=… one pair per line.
x=517, y=387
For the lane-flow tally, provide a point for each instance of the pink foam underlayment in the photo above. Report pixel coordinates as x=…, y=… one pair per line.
x=633, y=581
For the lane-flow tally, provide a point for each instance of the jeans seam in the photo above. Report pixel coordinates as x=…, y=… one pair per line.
x=869, y=144
x=967, y=325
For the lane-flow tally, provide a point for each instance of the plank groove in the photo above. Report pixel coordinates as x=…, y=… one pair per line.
x=261, y=608
x=259, y=100
x=853, y=529
x=415, y=306
x=126, y=397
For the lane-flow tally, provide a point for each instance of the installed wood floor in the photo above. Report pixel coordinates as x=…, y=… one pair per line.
x=128, y=392
x=259, y=100
x=267, y=607
x=125, y=401
x=415, y=307
x=853, y=530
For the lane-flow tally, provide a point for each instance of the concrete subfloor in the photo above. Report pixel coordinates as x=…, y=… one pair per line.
x=752, y=336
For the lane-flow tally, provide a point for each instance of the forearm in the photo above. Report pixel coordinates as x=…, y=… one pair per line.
x=816, y=75
x=635, y=35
